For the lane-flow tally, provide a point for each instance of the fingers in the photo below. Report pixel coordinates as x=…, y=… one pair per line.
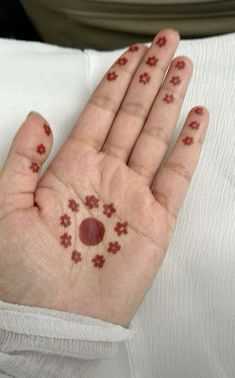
x=173, y=178
x=97, y=117
x=153, y=141
x=141, y=94
x=29, y=150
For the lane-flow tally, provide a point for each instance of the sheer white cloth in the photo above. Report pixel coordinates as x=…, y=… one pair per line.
x=185, y=327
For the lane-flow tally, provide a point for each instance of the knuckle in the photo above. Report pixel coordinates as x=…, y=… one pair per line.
x=158, y=133
x=177, y=93
x=115, y=150
x=135, y=109
x=180, y=170
x=104, y=102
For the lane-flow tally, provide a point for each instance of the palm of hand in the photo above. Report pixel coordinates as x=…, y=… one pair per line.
x=99, y=233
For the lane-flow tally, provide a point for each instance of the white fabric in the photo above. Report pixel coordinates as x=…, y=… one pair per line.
x=186, y=323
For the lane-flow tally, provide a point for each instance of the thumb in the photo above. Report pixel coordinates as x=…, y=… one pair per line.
x=29, y=150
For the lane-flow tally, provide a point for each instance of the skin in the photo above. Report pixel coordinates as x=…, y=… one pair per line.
x=115, y=154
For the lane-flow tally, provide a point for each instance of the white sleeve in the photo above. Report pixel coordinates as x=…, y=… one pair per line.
x=37, y=342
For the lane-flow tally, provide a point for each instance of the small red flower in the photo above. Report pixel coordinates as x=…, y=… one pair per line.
x=187, y=140
x=144, y=78
x=34, y=167
x=47, y=129
x=114, y=247
x=112, y=76
x=76, y=256
x=122, y=61
x=41, y=149
x=73, y=205
x=109, y=210
x=194, y=125
x=98, y=261
x=120, y=228
x=168, y=98
x=152, y=61
x=180, y=64
x=199, y=110
x=161, y=41
x=175, y=80
x=65, y=220
x=91, y=201
x=65, y=240
x=133, y=48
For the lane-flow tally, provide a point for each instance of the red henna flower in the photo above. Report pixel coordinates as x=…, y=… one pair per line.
x=113, y=247
x=91, y=201
x=122, y=61
x=133, y=48
x=65, y=220
x=144, y=78
x=175, y=80
x=47, y=129
x=73, y=205
x=152, y=61
x=41, y=149
x=112, y=76
x=76, y=256
x=194, y=125
x=120, y=228
x=109, y=210
x=34, y=167
x=98, y=261
x=161, y=41
x=180, y=64
x=65, y=240
x=198, y=110
x=168, y=98
x=187, y=140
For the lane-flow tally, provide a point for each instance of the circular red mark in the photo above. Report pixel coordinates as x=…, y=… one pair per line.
x=91, y=231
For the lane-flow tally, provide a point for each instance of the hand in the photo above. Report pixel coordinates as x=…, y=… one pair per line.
x=90, y=235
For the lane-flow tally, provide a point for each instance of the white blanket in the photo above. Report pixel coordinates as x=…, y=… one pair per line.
x=186, y=324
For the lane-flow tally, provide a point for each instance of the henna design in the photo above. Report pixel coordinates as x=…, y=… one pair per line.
x=112, y=76
x=47, y=129
x=152, y=61
x=122, y=61
x=109, y=210
x=144, y=78
x=91, y=231
x=34, y=167
x=187, y=140
x=168, y=98
x=199, y=110
x=175, y=80
x=180, y=64
x=133, y=48
x=91, y=201
x=76, y=256
x=65, y=220
x=120, y=228
x=73, y=205
x=98, y=261
x=194, y=125
x=65, y=240
x=41, y=149
x=114, y=247
x=161, y=41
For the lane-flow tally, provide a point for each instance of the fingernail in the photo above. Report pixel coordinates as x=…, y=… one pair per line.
x=32, y=113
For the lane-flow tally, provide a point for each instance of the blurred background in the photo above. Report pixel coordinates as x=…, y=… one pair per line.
x=111, y=24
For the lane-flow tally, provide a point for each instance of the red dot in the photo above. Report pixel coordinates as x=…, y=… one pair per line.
x=91, y=231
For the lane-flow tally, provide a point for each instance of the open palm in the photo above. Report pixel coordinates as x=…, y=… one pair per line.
x=90, y=235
